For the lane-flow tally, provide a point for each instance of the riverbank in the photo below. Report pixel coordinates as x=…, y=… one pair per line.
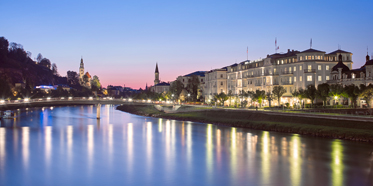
x=261, y=120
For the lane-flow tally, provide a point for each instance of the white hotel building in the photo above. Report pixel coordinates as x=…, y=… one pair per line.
x=292, y=70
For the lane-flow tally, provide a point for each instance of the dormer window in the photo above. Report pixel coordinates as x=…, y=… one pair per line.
x=300, y=58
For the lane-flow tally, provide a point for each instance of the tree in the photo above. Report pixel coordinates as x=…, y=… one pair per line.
x=323, y=92
x=278, y=91
x=310, y=93
x=45, y=62
x=5, y=90
x=269, y=97
x=230, y=95
x=259, y=95
x=39, y=58
x=335, y=91
x=72, y=78
x=192, y=87
x=175, y=88
x=54, y=69
x=95, y=84
x=4, y=44
x=222, y=97
x=17, y=53
x=367, y=94
x=352, y=91
x=85, y=79
x=244, y=95
x=300, y=94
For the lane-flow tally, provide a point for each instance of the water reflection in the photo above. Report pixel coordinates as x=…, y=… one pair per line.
x=170, y=152
x=337, y=163
x=295, y=160
x=2, y=147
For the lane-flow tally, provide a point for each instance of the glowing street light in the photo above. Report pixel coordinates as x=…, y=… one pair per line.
x=26, y=100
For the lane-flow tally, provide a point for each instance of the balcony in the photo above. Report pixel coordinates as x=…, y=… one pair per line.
x=275, y=83
x=287, y=73
x=287, y=83
x=309, y=71
x=258, y=84
x=275, y=73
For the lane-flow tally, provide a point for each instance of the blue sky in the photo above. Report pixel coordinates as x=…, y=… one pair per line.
x=121, y=41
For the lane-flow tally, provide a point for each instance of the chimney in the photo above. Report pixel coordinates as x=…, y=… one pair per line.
x=288, y=50
x=367, y=58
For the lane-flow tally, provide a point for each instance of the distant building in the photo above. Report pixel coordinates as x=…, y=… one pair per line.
x=215, y=83
x=81, y=76
x=159, y=87
x=188, y=77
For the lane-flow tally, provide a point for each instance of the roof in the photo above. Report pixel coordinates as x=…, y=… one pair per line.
x=281, y=55
x=312, y=51
x=88, y=75
x=340, y=65
x=339, y=51
x=370, y=62
x=197, y=73
x=162, y=84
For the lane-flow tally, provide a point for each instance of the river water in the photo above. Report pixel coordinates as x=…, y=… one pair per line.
x=69, y=146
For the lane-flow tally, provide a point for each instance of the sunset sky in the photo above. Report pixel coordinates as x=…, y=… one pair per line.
x=121, y=41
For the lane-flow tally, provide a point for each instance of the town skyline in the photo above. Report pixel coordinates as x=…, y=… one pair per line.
x=121, y=42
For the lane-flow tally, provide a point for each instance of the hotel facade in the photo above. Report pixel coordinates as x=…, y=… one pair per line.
x=292, y=70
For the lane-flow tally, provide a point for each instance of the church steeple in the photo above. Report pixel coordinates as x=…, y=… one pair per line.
x=81, y=70
x=156, y=73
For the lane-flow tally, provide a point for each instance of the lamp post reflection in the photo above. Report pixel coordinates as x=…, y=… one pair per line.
x=48, y=143
x=209, y=152
x=69, y=137
x=149, y=147
x=337, y=163
x=130, y=146
x=90, y=145
x=266, y=166
x=25, y=145
x=233, y=156
x=295, y=160
x=2, y=148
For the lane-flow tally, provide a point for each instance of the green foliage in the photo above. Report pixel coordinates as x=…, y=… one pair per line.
x=72, y=78
x=323, y=92
x=278, y=91
x=192, y=87
x=269, y=97
x=310, y=93
x=367, y=93
x=95, y=84
x=175, y=88
x=259, y=95
x=352, y=92
x=222, y=97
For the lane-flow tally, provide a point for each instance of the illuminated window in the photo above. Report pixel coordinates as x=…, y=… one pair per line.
x=295, y=68
x=300, y=78
x=278, y=61
x=326, y=78
x=319, y=78
x=300, y=67
x=295, y=79
x=313, y=57
x=318, y=67
x=282, y=61
x=327, y=67
x=300, y=58
x=309, y=78
x=289, y=69
x=309, y=67
x=353, y=76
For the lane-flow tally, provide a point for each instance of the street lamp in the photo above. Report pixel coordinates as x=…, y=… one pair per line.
x=188, y=97
x=172, y=97
x=335, y=101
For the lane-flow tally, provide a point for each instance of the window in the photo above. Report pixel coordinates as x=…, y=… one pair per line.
x=221, y=90
x=300, y=78
x=309, y=78
x=318, y=67
x=300, y=58
x=201, y=80
x=300, y=67
x=295, y=79
x=353, y=76
x=319, y=78
x=278, y=61
x=295, y=68
x=313, y=57
x=221, y=83
x=221, y=75
x=282, y=61
x=327, y=67
x=309, y=67
x=326, y=78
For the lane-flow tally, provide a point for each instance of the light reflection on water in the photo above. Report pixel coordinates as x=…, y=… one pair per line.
x=67, y=145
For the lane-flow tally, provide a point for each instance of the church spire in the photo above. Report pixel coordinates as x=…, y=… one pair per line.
x=156, y=68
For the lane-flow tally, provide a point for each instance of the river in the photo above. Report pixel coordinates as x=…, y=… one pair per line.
x=69, y=146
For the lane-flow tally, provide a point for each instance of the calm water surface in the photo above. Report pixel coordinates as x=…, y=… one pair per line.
x=68, y=146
